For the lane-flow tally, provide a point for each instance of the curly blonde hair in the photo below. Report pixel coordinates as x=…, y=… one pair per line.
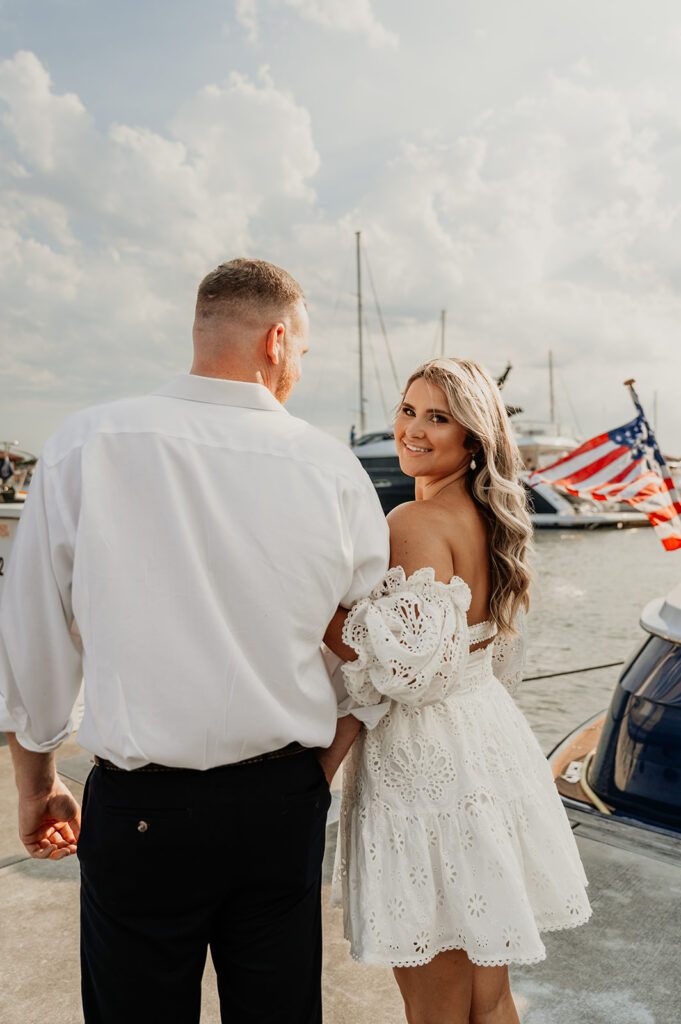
x=474, y=401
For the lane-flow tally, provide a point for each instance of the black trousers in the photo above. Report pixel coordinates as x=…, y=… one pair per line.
x=173, y=863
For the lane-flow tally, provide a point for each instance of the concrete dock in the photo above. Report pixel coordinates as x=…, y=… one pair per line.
x=620, y=968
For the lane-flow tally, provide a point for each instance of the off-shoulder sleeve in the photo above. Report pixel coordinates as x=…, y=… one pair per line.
x=411, y=639
x=508, y=655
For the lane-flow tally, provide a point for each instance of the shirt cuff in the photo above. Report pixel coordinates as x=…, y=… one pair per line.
x=7, y=723
x=18, y=724
x=48, y=745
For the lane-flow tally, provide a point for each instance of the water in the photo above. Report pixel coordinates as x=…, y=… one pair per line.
x=590, y=591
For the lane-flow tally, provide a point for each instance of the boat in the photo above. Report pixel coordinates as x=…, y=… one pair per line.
x=549, y=509
x=16, y=469
x=619, y=773
x=9, y=520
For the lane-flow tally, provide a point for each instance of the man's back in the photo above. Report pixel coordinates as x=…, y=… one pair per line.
x=212, y=537
x=199, y=540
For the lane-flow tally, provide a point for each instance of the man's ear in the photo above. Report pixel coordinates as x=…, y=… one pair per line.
x=273, y=342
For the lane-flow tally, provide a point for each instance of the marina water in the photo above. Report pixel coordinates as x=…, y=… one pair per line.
x=591, y=587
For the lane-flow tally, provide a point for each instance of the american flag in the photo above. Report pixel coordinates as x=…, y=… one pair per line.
x=623, y=465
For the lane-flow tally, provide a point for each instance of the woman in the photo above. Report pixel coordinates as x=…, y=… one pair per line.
x=454, y=851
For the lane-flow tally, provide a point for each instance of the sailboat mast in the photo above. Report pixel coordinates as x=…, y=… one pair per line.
x=443, y=316
x=551, y=398
x=362, y=415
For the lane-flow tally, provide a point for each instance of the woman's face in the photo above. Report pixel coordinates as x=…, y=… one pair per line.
x=429, y=440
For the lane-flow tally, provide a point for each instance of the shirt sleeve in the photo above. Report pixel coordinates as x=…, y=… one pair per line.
x=40, y=662
x=369, y=540
x=411, y=640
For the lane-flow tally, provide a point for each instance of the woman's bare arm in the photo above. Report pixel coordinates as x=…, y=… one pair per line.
x=333, y=637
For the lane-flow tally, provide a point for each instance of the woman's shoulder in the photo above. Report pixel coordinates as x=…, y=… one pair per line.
x=411, y=513
x=416, y=540
x=417, y=519
x=446, y=520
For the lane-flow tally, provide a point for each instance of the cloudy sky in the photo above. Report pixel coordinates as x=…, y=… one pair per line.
x=517, y=164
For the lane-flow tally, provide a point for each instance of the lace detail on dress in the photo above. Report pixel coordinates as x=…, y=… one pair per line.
x=411, y=638
x=508, y=655
x=451, y=834
x=481, y=631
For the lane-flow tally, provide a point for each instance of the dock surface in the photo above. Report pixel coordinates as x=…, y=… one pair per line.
x=620, y=968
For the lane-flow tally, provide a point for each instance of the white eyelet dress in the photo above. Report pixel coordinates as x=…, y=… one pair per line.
x=452, y=834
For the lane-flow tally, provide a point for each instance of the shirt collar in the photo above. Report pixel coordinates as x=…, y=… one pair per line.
x=217, y=391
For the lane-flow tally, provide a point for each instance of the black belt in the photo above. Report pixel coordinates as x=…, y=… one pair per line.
x=271, y=755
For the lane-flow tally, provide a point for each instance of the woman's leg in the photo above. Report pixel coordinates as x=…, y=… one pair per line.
x=491, y=1001
x=439, y=992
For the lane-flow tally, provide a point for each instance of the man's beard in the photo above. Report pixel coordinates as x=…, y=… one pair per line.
x=286, y=384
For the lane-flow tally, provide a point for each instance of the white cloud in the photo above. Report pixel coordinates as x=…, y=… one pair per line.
x=47, y=128
x=250, y=141
x=549, y=221
x=352, y=16
x=551, y=225
x=103, y=236
x=246, y=14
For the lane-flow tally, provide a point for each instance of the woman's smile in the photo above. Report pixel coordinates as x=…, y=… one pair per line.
x=430, y=442
x=414, y=450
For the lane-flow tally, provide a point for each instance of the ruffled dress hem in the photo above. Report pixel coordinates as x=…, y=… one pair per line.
x=478, y=961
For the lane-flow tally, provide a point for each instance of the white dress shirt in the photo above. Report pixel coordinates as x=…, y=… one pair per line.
x=184, y=552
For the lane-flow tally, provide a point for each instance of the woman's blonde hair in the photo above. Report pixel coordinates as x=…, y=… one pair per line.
x=474, y=401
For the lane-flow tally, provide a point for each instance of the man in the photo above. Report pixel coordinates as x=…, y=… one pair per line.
x=184, y=552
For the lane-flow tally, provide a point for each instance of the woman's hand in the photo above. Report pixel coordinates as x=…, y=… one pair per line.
x=331, y=758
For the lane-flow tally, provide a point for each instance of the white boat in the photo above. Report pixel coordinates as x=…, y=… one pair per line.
x=542, y=443
x=9, y=520
x=549, y=509
x=16, y=469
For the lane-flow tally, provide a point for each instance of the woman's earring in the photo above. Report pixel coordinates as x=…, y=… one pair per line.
x=473, y=463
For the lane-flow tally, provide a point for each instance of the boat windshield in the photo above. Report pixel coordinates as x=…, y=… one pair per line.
x=654, y=673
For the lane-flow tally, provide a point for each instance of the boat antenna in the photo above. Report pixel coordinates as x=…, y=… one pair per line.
x=362, y=414
x=551, y=397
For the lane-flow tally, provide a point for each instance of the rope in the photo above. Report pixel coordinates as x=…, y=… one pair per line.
x=370, y=346
x=572, y=671
x=584, y=783
x=380, y=320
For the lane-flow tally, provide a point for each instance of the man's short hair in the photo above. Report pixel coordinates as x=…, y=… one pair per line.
x=244, y=288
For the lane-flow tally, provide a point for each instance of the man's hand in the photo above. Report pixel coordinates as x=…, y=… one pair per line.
x=49, y=825
x=49, y=816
